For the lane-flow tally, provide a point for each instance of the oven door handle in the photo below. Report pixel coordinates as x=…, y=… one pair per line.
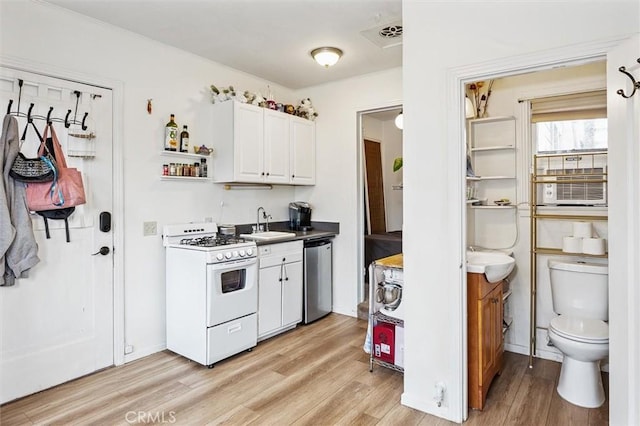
x=233, y=264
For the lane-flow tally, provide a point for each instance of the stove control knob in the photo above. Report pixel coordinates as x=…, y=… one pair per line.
x=219, y=256
x=235, y=253
x=228, y=255
x=242, y=253
x=249, y=252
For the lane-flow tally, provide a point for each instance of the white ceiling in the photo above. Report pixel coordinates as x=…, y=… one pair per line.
x=267, y=38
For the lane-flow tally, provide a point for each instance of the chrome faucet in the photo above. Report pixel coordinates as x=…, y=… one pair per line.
x=265, y=216
x=258, y=218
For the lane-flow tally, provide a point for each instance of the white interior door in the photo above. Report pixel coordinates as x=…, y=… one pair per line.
x=623, y=115
x=57, y=324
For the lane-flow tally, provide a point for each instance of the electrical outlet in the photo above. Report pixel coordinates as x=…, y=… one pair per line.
x=439, y=394
x=149, y=228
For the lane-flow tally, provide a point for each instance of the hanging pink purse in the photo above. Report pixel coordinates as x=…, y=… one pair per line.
x=66, y=190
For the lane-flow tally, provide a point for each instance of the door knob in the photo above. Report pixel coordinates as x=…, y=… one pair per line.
x=104, y=250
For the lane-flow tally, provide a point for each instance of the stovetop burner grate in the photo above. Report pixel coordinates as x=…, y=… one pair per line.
x=212, y=241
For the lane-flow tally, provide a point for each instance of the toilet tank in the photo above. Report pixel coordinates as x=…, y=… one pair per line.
x=580, y=289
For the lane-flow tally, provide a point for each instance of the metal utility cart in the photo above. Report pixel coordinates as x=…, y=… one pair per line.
x=376, y=277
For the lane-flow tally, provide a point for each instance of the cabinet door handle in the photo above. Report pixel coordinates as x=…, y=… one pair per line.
x=267, y=173
x=262, y=174
x=293, y=176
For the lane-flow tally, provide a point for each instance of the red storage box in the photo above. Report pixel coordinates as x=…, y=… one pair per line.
x=383, y=342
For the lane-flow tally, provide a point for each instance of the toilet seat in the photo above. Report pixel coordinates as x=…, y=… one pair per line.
x=580, y=329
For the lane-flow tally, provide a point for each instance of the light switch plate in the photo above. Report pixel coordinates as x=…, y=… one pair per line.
x=150, y=228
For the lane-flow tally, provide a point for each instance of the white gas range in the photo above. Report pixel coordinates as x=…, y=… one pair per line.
x=212, y=292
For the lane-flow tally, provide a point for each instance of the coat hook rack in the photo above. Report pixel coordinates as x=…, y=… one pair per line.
x=634, y=84
x=20, y=83
x=49, y=119
x=84, y=126
x=66, y=119
x=29, y=118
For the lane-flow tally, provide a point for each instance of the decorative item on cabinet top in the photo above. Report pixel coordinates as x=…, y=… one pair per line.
x=305, y=108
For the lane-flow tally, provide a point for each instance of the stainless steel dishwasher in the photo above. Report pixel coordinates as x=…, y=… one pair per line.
x=318, y=279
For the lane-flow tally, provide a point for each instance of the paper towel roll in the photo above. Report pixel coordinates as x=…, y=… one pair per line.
x=582, y=229
x=593, y=246
x=572, y=244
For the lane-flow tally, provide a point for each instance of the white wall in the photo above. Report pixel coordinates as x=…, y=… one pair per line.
x=440, y=37
x=336, y=194
x=178, y=83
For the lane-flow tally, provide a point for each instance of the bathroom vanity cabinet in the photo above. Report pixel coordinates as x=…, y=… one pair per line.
x=485, y=337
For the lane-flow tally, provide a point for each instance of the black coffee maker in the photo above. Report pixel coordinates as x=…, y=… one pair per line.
x=300, y=216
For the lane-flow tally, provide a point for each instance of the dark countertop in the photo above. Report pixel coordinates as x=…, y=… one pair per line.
x=320, y=230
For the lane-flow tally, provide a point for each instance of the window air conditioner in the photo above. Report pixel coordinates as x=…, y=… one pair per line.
x=585, y=186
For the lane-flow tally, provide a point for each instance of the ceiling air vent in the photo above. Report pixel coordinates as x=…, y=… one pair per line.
x=385, y=36
x=391, y=31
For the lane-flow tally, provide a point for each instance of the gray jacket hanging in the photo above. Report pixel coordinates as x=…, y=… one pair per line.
x=18, y=247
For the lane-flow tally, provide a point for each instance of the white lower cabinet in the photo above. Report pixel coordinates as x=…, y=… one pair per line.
x=279, y=288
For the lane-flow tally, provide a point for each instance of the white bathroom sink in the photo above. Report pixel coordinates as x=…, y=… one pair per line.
x=268, y=235
x=494, y=265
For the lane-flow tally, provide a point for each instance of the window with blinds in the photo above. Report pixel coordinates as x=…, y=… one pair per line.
x=570, y=123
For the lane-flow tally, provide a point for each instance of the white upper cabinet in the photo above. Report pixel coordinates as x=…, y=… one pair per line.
x=276, y=146
x=258, y=145
x=303, y=151
x=248, y=154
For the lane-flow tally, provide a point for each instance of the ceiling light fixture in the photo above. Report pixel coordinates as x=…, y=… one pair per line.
x=399, y=120
x=326, y=56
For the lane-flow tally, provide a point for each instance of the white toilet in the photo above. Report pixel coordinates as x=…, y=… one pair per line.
x=579, y=292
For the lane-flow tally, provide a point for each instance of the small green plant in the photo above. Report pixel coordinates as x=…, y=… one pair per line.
x=397, y=164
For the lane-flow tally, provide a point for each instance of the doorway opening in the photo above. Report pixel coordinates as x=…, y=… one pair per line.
x=379, y=192
x=489, y=225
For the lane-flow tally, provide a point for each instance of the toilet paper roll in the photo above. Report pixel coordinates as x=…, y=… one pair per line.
x=593, y=245
x=582, y=229
x=572, y=244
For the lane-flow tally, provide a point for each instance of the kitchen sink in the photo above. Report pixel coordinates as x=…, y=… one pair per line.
x=268, y=235
x=494, y=265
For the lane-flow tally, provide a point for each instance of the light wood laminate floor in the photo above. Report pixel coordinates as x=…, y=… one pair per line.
x=314, y=375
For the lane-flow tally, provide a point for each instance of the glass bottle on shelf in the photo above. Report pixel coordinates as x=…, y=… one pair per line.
x=171, y=135
x=203, y=167
x=184, y=139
